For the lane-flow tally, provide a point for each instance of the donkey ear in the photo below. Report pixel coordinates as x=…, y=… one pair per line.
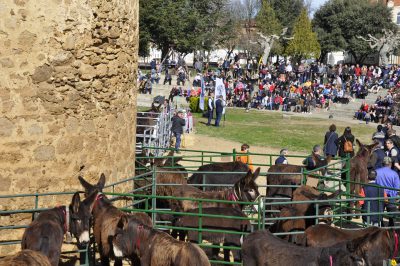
x=122, y=222
x=76, y=201
x=90, y=200
x=102, y=181
x=359, y=143
x=256, y=173
x=248, y=178
x=84, y=183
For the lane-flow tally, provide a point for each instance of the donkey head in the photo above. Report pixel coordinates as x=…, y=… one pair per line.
x=80, y=213
x=89, y=188
x=246, y=188
x=365, y=151
x=320, y=162
x=127, y=236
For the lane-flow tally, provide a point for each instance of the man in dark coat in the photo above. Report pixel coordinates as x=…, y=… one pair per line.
x=177, y=128
x=210, y=108
x=219, y=108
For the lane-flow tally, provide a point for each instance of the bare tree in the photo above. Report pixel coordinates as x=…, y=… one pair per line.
x=266, y=43
x=385, y=45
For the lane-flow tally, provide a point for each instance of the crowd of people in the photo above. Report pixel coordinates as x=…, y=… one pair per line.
x=287, y=87
x=383, y=110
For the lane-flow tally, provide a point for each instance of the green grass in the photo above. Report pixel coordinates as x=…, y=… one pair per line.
x=273, y=129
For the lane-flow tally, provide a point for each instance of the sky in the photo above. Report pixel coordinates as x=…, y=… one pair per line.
x=317, y=3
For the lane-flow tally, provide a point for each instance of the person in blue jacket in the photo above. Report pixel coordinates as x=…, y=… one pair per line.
x=282, y=159
x=330, y=143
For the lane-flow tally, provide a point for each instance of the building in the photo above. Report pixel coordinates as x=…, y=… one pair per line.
x=395, y=4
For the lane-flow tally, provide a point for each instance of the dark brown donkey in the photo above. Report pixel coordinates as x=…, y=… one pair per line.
x=303, y=193
x=322, y=235
x=26, y=258
x=219, y=178
x=219, y=223
x=245, y=189
x=374, y=244
x=289, y=174
x=153, y=247
x=106, y=217
x=359, y=169
x=46, y=232
x=261, y=248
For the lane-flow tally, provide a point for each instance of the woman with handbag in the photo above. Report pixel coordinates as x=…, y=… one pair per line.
x=330, y=143
x=346, y=144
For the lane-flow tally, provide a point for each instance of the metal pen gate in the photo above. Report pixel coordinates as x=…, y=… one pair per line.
x=144, y=199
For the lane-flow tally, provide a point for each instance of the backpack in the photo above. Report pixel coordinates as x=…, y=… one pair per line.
x=347, y=146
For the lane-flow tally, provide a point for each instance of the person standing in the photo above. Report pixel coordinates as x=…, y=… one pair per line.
x=219, y=108
x=210, y=107
x=244, y=157
x=371, y=190
x=386, y=177
x=330, y=143
x=178, y=122
x=345, y=143
x=309, y=162
x=282, y=159
x=393, y=153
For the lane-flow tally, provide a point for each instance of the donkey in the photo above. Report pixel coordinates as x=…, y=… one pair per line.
x=154, y=247
x=322, y=235
x=290, y=175
x=46, y=232
x=226, y=224
x=262, y=248
x=245, y=189
x=219, y=178
x=26, y=258
x=106, y=217
x=359, y=169
x=303, y=193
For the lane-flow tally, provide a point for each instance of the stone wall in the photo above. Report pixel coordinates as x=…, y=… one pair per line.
x=67, y=94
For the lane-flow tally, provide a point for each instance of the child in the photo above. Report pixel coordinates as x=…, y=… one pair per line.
x=371, y=191
x=244, y=157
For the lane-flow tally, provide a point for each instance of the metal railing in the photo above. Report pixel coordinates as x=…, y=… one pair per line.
x=34, y=211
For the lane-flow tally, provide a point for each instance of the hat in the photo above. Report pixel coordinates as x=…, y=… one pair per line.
x=181, y=112
x=387, y=160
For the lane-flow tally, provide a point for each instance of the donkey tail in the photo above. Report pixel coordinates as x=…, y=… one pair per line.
x=45, y=245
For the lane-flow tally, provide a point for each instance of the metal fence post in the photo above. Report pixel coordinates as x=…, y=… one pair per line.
x=153, y=195
x=200, y=222
x=348, y=176
x=234, y=155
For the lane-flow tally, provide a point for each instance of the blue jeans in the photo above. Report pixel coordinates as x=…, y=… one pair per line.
x=178, y=140
x=218, y=119
x=210, y=116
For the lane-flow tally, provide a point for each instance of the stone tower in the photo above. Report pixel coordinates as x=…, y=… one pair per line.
x=67, y=92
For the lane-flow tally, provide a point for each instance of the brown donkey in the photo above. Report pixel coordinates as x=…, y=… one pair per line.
x=359, y=169
x=245, y=189
x=153, y=247
x=106, y=217
x=46, y=232
x=26, y=258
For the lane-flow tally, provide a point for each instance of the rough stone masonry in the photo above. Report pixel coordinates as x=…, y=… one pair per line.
x=67, y=93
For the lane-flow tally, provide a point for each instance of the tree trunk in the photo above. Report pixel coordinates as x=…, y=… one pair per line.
x=267, y=49
x=164, y=52
x=383, y=54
